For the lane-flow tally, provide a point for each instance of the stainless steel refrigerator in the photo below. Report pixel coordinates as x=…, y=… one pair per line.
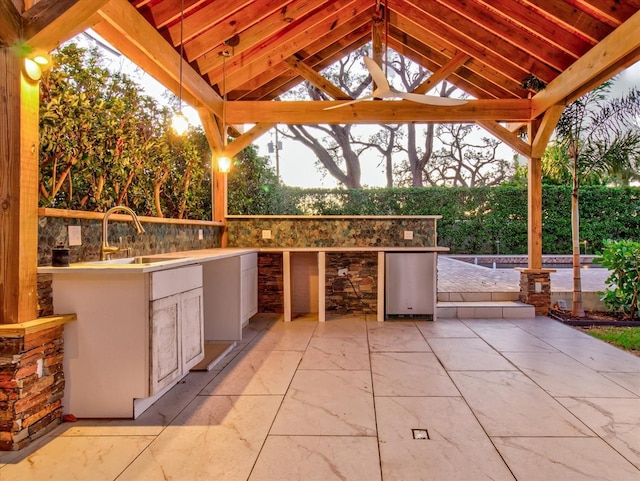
x=410, y=284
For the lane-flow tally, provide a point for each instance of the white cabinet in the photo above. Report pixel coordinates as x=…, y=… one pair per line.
x=176, y=328
x=136, y=335
x=230, y=296
x=177, y=342
x=248, y=287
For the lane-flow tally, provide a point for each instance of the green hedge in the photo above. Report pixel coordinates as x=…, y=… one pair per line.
x=474, y=219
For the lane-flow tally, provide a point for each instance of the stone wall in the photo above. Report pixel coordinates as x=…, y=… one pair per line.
x=357, y=292
x=31, y=386
x=327, y=231
x=270, y=283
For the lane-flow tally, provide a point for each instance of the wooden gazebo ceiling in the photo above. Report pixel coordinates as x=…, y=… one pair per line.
x=496, y=44
x=488, y=48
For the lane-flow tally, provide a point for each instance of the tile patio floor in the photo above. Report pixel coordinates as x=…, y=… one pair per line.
x=499, y=400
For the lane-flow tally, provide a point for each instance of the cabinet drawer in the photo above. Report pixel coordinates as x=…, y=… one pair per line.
x=172, y=281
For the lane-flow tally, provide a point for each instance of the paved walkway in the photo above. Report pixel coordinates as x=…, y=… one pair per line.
x=358, y=400
x=460, y=276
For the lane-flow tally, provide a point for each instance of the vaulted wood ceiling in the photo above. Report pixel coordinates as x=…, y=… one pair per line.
x=488, y=48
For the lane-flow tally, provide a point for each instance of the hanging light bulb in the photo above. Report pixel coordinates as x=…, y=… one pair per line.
x=224, y=162
x=179, y=122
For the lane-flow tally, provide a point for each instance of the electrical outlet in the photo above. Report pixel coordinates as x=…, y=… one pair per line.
x=266, y=234
x=343, y=272
x=200, y=234
x=408, y=235
x=75, y=235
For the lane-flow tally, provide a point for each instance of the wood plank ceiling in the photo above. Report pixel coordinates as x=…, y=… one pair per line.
x=488, y=48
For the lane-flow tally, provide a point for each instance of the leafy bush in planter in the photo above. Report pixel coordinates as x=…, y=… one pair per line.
x=622, y=258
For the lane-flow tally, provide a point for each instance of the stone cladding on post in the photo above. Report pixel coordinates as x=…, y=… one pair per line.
x=535, y=289
x=31, y=386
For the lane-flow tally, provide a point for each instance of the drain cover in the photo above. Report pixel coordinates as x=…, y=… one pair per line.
x=420, y=434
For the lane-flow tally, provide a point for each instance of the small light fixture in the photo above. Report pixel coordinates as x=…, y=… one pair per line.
x=179, y=122
x=34, y=64
x=224, y=164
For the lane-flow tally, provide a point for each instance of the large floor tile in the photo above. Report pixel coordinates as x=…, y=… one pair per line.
x=216, y=437
x=566, y=459
x=515, y=406
x=617, y=421
x=69, y=458
x=512, y=339
x=318, y=458
x=343, y=326
x=395, y=336
x=410, y=374
x=628, y=380
x=351, y=354
x=547, y=328
x=457, y=448
x=445, y=328
x=598, y=354
x=468, y=355
x=327, y=403
x=256, y=372
x=284, y=336
x=561, y=375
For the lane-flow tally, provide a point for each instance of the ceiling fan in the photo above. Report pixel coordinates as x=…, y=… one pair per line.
x=385, y=91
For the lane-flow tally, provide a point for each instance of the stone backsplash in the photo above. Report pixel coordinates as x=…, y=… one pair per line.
x=331, y=231
x=158, y=237
x=357, y=292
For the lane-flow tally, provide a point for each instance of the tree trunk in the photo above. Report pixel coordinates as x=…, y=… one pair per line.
x=577, y=309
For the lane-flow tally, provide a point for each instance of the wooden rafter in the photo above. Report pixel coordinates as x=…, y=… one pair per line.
x=10, y=23
x=442, y=73
x=316, y=79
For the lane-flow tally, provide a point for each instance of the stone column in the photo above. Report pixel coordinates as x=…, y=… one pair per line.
x=535, y=289
x=31, y=380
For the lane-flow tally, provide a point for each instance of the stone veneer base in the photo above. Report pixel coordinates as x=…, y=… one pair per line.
x=539, y=298
x=31, y=380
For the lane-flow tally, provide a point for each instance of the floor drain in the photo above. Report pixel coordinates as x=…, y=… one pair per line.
x=420, y=434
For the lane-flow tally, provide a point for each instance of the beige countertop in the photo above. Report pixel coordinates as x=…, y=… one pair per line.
x=170, y=260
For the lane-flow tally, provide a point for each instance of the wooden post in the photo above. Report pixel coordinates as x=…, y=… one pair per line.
x=534, y=200
x=220, y=201
x=19, y=105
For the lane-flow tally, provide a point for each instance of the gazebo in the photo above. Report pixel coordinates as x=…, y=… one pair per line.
x=237, y=57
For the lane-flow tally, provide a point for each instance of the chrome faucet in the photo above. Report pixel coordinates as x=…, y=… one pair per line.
x=105, y=249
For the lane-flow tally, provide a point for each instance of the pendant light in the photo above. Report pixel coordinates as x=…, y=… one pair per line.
x=179, y=122
x=224, y=162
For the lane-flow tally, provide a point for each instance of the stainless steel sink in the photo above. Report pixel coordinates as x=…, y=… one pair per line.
x=132, y=261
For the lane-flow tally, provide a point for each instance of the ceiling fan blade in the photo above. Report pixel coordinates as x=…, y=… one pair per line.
x=430, y=99
x=350, y=102
x=377, y=74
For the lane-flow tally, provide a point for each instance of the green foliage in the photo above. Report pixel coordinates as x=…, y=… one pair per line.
x=474, y=220
x=253, y=187
x=103, y=143
x=622, y=258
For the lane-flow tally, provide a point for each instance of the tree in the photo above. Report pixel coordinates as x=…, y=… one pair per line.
x=103, y=143
x=598, y=134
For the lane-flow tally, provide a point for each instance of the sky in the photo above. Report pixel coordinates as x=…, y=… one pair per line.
x=297, y=163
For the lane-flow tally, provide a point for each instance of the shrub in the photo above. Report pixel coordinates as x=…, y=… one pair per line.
x=622, y=258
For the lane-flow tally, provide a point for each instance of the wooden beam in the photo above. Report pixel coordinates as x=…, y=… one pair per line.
x=240, y=143
x=512, y=140
x=377, y=34
x=545, y=130
x=316, y=79
x=442, y=73
x=51, y=22
x=132, y=35
x=19, y=107
x=608, y=55
x=211, y=130
x=375, y=112
x=10, y=23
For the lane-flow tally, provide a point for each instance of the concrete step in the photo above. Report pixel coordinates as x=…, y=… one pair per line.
x=477, y=296
x=485, y=310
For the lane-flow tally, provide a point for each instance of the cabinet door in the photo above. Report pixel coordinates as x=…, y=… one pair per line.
x=166, y=359
x=192, y=328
